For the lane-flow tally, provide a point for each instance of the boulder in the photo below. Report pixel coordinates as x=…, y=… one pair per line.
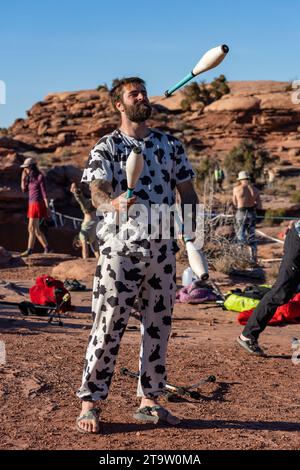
x=51, y=259
x=5, y=257
x=238, y=103
x=276, y=101
x=78, y=268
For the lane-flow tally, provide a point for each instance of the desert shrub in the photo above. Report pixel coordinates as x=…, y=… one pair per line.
x=246, y=156
x=295, y=197
x=204, y=93
x=275, y=192
x=223, y=253
x=235, y=259
x=220, y=249
x=102, y=87
x=273, y=216
x=204, y=168
x=272, y=273
x=219, y=87
x=290, y=187
x=185, y=105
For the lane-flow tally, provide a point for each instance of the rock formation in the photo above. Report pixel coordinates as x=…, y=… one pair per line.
x=60, y=131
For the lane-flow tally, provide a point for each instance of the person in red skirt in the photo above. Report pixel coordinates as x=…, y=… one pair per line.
x=33, y=182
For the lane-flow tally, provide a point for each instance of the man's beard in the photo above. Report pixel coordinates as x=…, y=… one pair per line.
x=138, y=112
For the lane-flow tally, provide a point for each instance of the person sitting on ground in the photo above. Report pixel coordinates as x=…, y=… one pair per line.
x=246, y=199
x=87, y=235
x=33, y=182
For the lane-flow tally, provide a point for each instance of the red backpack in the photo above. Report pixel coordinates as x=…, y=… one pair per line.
x=50, y=291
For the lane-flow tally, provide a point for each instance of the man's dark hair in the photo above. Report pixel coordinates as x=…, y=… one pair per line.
x=116, y=93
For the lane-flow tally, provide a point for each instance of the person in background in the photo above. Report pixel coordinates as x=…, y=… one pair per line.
x=219, y=177
x=271, y=178
x=33, y=182
x=282, y=291
x=87, y=235
x=246, y=199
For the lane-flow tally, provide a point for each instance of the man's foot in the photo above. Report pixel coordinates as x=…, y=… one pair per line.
x=151, y=411
x=250, y=346
x=47, y=250
x=88, y=420
x=27, y=252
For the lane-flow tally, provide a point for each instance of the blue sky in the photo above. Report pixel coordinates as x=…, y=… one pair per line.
x=71, y=45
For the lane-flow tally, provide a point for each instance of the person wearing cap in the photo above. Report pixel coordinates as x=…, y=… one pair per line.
x=246, y=199
x=33, y=182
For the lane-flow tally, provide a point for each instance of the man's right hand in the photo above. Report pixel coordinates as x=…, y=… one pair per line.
x=122, y=203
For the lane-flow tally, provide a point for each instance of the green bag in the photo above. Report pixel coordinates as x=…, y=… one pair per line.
x=239, y=301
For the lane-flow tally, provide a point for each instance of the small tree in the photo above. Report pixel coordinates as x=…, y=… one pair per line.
x=102, y=87
x=203, y=169
x=204, y=93
x=246, y=156
x=219, y=87
x=115, y=82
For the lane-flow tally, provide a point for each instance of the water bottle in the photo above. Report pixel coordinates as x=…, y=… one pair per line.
x=188, y=277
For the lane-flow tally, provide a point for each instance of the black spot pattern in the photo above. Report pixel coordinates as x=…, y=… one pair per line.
x=155, y=282
x=121, y=287
x=160, y=369
x=155, y=356
x=159, y=306
x=153, y=331
x=146, y=380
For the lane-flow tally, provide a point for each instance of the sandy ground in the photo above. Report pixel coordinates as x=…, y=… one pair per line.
x=254, y=403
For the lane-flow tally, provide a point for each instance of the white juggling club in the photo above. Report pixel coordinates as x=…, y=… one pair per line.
x=134, y=168
x=211, y=59
x=197, y=260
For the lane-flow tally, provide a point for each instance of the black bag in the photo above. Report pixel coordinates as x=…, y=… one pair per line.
x=252, y=292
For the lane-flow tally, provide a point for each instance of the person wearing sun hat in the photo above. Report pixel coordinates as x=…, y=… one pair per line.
x=33, y=182
x=246, y=199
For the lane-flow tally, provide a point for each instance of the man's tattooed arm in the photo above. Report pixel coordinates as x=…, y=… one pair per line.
x=101, y=192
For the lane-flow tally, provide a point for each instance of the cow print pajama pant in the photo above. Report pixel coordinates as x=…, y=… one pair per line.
x=119, y=280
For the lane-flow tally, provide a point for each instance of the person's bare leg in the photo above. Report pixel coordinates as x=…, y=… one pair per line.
x=148, y=402
x=31, y=233
x=87, y=425
x=40, y=236
x=85, y=249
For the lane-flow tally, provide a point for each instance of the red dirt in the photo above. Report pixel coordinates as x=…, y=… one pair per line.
x=254, y=403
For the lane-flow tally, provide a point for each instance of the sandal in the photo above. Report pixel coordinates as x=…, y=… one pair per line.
x=156, y=414
x=92, y=415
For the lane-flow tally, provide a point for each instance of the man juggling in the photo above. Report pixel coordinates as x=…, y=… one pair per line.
x=137, y=266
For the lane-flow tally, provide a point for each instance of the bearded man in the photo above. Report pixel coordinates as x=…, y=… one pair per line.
x=136, y=267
